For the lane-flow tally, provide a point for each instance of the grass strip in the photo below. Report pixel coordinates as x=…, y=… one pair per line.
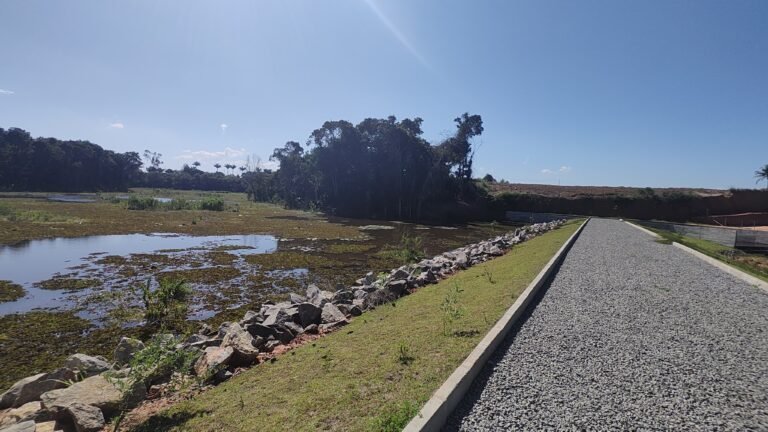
x=753, y=264
x=375, y=373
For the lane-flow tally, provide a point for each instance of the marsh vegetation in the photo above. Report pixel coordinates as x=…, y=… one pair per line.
x=82, y=282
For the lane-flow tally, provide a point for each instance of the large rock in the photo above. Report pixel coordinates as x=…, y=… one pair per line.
x=48, y=426
x=87, y=418
x=331, y=314
x=349, y=309
x=27, y=426
x=279, y=314
x=296, y=299
x=96, y=391
x=260, y=330
x=30, y=388
x=244, y=345
x=308, y=313
x=86, y=365
x=28, y=411
x=343, y=296
x=126, y=349
x=397, y=287
x=401, y=273
x=318, y=297
x=213, y=360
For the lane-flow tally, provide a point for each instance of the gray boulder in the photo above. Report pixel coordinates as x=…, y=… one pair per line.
x=294, y=328
x=308, y=313
x=251, y=317
x=126, y=349
x=331, y=314
x=87, y=418
x=31, y=388
x=349, y=309
x=96, y=391
x=28, y=411
x=27, y=426
x=312, y=291
x=213, y=360
x=260, y=330
x=397, y=287
x=311, y=329
x=244, y=345
x=87, y=365
x=401, y=273
x=296, y=299
x=343, y=296
x=280, y=313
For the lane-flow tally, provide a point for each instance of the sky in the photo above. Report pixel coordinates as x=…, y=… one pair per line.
x=619, y=93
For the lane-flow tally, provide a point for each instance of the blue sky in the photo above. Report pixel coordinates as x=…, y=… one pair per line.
x=642, y=93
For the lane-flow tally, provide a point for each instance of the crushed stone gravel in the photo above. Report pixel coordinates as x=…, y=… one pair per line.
x=630, y=334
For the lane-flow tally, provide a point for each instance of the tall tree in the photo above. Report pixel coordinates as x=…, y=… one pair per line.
x=762, y=174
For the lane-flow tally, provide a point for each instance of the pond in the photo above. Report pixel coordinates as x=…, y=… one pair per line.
x=82, y=293
x=31, y=263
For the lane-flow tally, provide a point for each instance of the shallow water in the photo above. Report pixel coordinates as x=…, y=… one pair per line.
x=72, y=198
x=38, y=260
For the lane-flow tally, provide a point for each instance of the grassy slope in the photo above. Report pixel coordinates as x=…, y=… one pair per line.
x=352, y=379
x=756, y=265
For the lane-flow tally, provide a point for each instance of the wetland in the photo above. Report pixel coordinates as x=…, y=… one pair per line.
x=71, y=274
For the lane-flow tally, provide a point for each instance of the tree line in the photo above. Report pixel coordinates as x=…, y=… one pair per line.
x=379, y=168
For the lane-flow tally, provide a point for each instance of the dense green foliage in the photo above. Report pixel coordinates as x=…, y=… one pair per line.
x=37, y=164
x=380, y=168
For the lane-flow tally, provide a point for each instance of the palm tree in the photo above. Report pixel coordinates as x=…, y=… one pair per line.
x=196, y=164
x=762, y=174
x=217, y=166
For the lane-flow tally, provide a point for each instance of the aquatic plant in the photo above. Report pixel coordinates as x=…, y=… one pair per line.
x=167, y=305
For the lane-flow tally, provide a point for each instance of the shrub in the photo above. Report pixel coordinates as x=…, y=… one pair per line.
x=144, y=203
x=212, y=204
x=167, y=305
x=451, y=308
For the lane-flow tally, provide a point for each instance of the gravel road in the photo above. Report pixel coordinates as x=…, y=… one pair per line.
x=630, y=335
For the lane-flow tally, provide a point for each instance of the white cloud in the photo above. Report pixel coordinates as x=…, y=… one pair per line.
x=230, y=154
x=223, y=127
x=564, y=169
x=6, y=92
x=546, y=171
x=117, y=125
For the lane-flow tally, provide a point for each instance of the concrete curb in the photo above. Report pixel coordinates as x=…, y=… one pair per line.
x=733, y=271
x=647, y=231
x=435, y=412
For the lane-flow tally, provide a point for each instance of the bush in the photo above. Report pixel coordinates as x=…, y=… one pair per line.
x=167, y=305
x=145, y=203
x=212, y=204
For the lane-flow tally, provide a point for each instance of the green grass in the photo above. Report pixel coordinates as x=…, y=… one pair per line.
x=753, y=264
x=356, y=378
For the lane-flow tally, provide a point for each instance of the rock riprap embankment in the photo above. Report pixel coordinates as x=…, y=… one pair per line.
x=631, y=334
x=88, y=390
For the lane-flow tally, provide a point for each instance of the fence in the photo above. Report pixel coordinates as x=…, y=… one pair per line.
x=731, y=237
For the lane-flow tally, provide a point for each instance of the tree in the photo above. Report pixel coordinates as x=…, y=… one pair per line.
x=153, y=159
x=196, y=164
x=489, y=178
x=762, y=174
x=217, y=166
x=242, y=169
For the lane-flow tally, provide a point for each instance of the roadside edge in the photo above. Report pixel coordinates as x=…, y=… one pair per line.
x=733, y=271
x=434, y=414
